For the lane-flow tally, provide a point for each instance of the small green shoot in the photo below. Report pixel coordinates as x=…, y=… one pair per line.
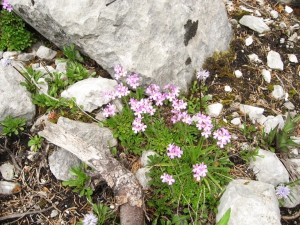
x=13, y=126
x=79, y=183
x=35, y=143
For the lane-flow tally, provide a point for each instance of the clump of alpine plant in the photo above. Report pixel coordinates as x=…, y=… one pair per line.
x=192, y=164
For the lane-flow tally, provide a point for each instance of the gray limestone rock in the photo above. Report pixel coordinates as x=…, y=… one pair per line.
x=254, y=23
x=275, y=174
x=45, y=53
x=163, y=42
x=89, y=92
x=251, y=202
x=15, y=99
x=274, y=60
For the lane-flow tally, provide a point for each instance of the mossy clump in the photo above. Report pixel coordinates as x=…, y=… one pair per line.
x=239, y=14
x=219, y=63
x=292, y=93
x=271, y=87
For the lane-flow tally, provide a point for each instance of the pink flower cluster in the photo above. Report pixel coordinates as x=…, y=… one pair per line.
x=199, y=170
x=110, y=110
x=7, y=6
x=223, y=137
x=138, y=125
x=174, y=151
x=167, y=178
x=142, y=106
x=204, y=124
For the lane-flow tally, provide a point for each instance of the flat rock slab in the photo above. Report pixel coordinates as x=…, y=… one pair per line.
x=254, y=23
x=163, y=42
x=251, y=202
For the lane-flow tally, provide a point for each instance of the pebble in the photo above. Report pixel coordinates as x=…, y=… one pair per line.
x=282, y=40
x=278, y=92
x=274, y=60
x=289, y=105
x=288, y=9
x=54, y=213
x=236, y=121
x=238, y=74
x=215, y=109
x=228, y=88
x=266, y=75
x=254, y=23
x=8, y=188
x=249, y=41
x=274, y=14
x=293, y=58
x=253, y=57
x=7, y=170
x=282, y=24
x=257, y=13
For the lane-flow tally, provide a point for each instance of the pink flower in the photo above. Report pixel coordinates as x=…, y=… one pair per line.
x=166, y=178
x=110, y=110
x=7, y=6
x=90, y=219
x=133, y=81
x=199, y=170
x=223, y=137
x=142, y=106
x=109, y=95
x=138, y=125
x=155, y=94
x=179, y=104
x=172, y=92
x=174, y=151
x=119, y=72
x=202, y=75
x=204, y=124
x=121, y=90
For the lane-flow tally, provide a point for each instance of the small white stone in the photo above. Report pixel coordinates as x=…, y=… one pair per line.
x=253, y=57
x=7, y=170
x=274, y=14
x=293, y=58
x=289, y=105
x=215, y=109
x=238, y=74
x=54, y=213
x=228, y=88
x=112, y=207
x=288, y=9
x=236, y=121
x=278, y=92
x=282, y=40
x=246, y=9
x=274, y=60
x=282, y=25
x=266, y=75
x=249, y=41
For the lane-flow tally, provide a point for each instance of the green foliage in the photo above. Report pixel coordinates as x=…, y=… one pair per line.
x=13, y=126
x=31, y=79
x=14, y=36
x=121, y=125
x=197, y=102
x=248, y=154
x=225, y=219
x=185, y=200
x=50, y=103
x=79, y=183
x=101, y=211
x=281, y=138
x=72, y=54
x=248, y=130
x=36, y=142
x=58, y=82
x=77, y=72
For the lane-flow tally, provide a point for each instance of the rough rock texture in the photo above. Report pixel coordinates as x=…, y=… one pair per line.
x=276, y=174
x=89, y=92
x=251, y=202
x=15, y=99
x=162, y=41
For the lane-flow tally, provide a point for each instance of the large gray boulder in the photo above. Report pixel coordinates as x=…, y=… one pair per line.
x=162, y=41
x=15, y=99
